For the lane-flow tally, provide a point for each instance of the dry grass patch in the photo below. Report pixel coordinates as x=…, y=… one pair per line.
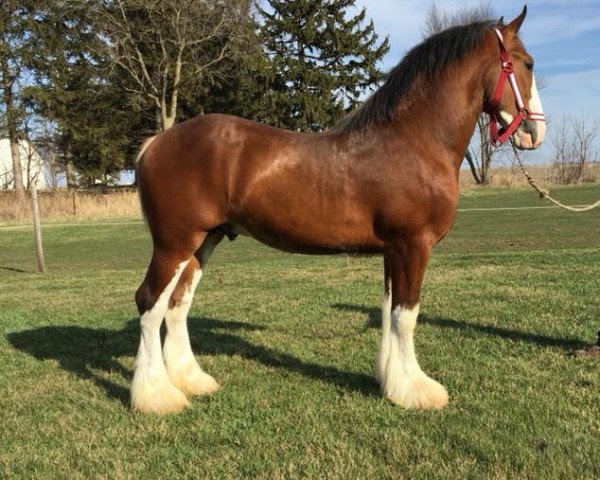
x=72, y=205
x=512, y=177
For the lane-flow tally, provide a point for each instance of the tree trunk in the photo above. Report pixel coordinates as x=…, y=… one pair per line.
x=486, y=151
x=16, y=160
x=70, y=173
x=473, y=166
x=11, y=126
x=37, y=229
x=167, y=122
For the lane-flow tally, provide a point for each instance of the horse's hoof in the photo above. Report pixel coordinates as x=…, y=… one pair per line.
x=194, y=381
x=159, y=397
x=419, y=392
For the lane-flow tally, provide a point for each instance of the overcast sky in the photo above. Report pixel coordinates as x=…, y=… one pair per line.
x=563, y=37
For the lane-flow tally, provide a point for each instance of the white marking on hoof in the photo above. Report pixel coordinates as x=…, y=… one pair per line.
x=182, y=367
x=402, y=380
x=192, y=380
x=151, y=389
x=153, y=392
x=418, y=391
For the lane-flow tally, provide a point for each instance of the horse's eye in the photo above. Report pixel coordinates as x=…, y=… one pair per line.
x=529, y=66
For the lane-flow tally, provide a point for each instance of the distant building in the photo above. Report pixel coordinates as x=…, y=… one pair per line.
x=32, y=165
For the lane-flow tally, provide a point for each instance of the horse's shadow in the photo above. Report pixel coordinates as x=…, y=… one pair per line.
x=374, y=321
x=86, y=351
x=93, y=354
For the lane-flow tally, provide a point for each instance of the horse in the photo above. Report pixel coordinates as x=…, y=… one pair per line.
x=383, y=181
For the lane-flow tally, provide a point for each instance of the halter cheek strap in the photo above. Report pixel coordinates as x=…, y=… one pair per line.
x=499, y=136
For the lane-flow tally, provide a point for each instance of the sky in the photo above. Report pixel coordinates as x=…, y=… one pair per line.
x=563, y=37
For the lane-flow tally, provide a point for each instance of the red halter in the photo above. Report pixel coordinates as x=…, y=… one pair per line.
x=500, y=136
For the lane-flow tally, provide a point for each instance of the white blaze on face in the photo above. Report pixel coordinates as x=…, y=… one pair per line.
x=530, y=133
x=536, y=128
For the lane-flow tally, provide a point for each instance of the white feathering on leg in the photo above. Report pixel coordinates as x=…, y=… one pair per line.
x=384, y=346
x=182, y=367
x=151, y=389
x=403, y=382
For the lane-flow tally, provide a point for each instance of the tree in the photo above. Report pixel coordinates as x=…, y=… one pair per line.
x=575, y=146
x=245, y=87
x=169, y=45
x=13, y=28
x=93, y=127
x=479, y=156
x=322, y=59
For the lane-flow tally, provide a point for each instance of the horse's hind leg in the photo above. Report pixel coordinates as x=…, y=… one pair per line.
x=183, y=369
x=151, y=389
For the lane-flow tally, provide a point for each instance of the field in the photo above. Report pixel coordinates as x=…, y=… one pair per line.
x=508, y=297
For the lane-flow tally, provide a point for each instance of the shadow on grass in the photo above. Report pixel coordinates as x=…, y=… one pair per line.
x=13, y=269
x=83, y=351
x=374, y=321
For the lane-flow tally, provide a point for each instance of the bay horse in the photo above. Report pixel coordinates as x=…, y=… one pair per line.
x=383, y=181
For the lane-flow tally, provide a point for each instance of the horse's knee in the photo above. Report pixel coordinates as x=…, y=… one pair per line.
x=160, y=276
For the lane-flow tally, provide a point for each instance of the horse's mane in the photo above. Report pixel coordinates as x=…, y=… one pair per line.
x=426, y=60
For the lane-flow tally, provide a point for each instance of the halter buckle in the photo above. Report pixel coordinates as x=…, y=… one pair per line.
x=524, y=113
x=508, y=67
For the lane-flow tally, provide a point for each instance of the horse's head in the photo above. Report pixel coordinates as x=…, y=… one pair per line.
x=512, y=96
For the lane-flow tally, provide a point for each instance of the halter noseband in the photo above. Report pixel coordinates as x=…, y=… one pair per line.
x=498, y=137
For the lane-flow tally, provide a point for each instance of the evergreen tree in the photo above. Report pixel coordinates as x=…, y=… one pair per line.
x=245, y=88
x=75, y=90
x=13, y=31
x=322, y=60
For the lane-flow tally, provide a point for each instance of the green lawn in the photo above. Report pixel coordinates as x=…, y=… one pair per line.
x=507, y=298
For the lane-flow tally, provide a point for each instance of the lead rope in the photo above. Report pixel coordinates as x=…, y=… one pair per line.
x=545, y=193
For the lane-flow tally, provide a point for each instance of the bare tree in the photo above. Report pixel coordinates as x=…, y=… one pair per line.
x=165, y=44
x=479, y=156
x=575, y=143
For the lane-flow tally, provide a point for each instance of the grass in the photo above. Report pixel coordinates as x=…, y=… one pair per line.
x=508, y=296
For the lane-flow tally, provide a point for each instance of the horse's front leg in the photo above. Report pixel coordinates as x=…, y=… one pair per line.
x=401, y=378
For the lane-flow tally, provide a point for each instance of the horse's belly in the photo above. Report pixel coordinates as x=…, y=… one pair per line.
x=313, y=241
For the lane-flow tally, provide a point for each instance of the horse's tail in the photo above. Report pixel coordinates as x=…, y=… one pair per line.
x=143, y=149
x=138, y=167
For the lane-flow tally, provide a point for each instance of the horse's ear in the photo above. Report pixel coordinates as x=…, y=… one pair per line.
x=517, y=22
x=501, y=21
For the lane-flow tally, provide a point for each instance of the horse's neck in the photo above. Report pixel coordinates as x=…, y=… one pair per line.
x=446, y=109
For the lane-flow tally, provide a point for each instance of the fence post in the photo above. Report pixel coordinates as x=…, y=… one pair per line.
x=37, y=229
